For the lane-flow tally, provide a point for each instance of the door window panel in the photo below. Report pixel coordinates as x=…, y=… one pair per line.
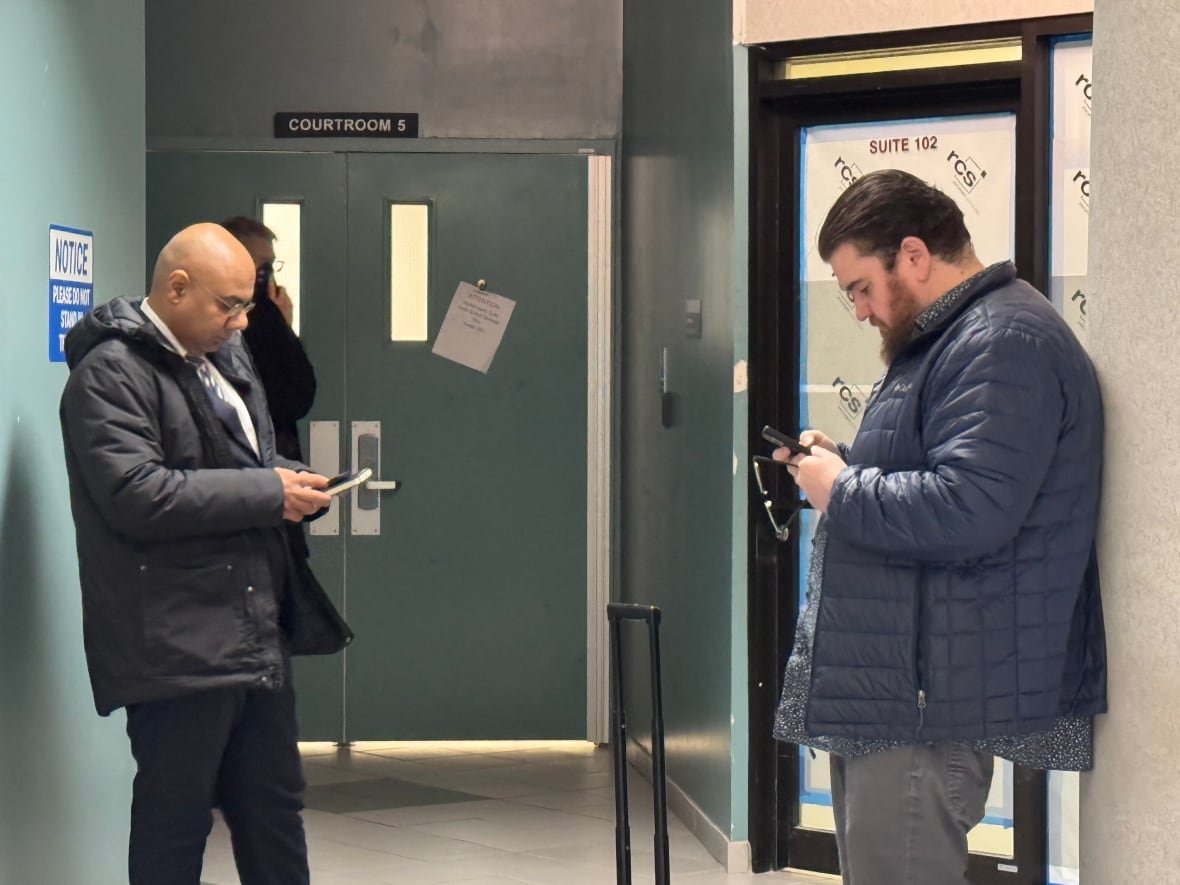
x=409, y=253
x=286, y=222
x=1069, y=223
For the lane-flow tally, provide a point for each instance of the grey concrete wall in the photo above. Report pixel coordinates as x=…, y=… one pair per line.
x=1130, y=813
x=71, y=91
x=519, y=69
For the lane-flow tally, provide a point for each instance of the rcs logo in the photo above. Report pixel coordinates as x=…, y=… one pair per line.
x=1086, y=85
x=968, y=173
x=849, y=172
x=852, y=400
x=1079, y=298
x=1081, y=181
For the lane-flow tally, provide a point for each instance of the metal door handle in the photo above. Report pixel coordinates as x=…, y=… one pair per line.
x=366, y=499
x=382, y=485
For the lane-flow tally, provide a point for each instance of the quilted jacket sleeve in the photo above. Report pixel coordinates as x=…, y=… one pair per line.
x=111, y=423
x=992, y=413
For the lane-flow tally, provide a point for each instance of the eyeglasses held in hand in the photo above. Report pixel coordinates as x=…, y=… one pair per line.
x=781, y=531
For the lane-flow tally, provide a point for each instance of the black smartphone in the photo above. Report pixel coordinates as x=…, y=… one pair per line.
x=262, y=283
x=778, y=438
x=345, y=481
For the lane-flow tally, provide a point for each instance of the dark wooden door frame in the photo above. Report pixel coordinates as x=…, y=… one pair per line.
x=778, y=110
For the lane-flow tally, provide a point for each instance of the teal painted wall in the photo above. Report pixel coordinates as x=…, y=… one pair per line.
x=677, y=483
x=72, y=98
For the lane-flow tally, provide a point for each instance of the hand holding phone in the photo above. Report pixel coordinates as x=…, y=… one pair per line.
x=780, y=439
x=262, y=278
x=345, y=481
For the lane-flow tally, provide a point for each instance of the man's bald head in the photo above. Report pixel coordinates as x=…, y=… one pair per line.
x=198, y=273
x=197, y=249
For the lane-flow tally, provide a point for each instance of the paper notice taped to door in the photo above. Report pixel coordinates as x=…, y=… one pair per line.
x=473, y=327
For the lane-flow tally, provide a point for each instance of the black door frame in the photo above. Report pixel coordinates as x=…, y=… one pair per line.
x=778, y=110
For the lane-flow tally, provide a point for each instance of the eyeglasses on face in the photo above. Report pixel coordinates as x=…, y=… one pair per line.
x=229, y=305
x=267, y=270
x=233, y=307
x=852, y=294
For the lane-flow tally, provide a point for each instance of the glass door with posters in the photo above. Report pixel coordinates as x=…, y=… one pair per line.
x=1069, y=225
x=1070, y=178
x=972, y=159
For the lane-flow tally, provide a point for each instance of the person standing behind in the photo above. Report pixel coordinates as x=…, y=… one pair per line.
x=953, y=610
x=287, y=374
x=190, y=606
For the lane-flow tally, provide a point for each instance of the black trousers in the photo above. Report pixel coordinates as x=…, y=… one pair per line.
x=236, y=747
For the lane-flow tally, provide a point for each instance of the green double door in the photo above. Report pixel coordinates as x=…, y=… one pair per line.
x=467, y=586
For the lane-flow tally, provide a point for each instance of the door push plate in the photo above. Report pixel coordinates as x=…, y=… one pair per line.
x=324, y=448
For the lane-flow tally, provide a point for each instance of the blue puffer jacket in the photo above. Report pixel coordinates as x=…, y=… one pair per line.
x=960, y=594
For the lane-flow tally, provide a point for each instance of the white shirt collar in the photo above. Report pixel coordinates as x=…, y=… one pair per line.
x=172, y=340
x=228, y=392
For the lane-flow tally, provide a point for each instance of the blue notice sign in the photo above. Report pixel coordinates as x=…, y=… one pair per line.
x=71, y=283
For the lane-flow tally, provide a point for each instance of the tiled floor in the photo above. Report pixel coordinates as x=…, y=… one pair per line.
x=477, y=813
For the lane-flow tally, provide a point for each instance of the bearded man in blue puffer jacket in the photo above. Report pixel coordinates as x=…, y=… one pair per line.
x=953, y=608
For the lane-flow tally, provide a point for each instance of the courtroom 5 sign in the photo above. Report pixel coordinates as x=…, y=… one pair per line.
x=345, y=124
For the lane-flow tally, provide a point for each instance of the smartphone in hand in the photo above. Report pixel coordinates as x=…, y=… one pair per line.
x=345, y=481
x=780, y=439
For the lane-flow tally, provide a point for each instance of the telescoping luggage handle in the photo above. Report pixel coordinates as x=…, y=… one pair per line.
x=617, y=612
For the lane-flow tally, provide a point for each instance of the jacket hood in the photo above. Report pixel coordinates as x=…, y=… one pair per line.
x=118, y=318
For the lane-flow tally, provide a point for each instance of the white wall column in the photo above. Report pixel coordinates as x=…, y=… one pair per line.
x=1130, y=809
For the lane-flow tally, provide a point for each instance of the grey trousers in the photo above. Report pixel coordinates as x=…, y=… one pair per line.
x=902, y=815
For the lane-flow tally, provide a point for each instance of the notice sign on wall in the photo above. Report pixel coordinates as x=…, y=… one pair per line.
x=71, y=283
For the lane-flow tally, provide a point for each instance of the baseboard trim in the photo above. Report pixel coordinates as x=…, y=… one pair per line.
x=734, y=856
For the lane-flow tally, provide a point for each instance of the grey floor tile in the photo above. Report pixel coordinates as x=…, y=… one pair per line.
x=318, y=775
x=432, y=814
x=369, y=795
x=485, y=813
x=506, y=837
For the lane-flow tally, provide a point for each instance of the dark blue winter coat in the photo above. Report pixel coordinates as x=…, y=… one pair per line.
x=960, y=594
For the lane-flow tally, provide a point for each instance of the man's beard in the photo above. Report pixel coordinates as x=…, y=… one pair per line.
x=903, y=307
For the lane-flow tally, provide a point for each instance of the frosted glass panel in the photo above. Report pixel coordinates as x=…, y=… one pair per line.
x=1070, y=180
x=409, y=233
x=972, y=159
x=285, y=221
x=1069, y=223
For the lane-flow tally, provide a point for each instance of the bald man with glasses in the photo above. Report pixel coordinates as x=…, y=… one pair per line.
x=191, y=604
